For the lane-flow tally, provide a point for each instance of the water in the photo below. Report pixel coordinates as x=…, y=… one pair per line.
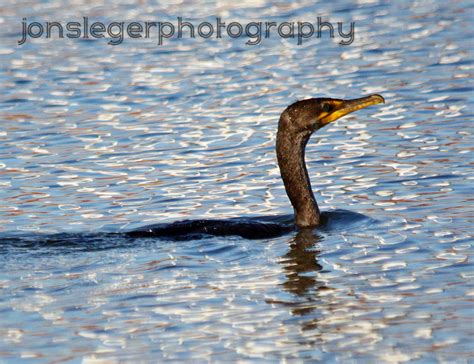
x=98, y=139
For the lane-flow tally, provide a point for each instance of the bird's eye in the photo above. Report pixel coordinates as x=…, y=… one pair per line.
x=326, y=107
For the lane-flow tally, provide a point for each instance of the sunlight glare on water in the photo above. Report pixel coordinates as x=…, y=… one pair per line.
x=98, y=138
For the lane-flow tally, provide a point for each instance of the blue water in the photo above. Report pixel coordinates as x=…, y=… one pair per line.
x=98, y=139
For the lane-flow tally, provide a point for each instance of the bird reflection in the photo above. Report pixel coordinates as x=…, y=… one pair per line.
x=300, y=265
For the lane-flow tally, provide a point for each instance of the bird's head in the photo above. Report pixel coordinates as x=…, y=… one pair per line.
x=307, y=116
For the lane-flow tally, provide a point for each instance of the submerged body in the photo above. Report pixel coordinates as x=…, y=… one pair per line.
x=256, y=228
x=297, y=123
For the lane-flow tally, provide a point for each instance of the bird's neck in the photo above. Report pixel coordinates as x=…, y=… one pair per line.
x=290, y=153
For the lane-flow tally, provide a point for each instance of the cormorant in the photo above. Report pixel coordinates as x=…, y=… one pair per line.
x=297, y=123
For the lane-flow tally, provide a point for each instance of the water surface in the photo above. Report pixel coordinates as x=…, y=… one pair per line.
x=98, y=139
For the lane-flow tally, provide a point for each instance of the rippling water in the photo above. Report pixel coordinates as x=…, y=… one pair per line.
x=98, y=139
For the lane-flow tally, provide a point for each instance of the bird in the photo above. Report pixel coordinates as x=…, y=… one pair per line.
x=296, y=125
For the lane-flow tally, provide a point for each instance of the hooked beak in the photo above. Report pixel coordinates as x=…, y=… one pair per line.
x=344, y=107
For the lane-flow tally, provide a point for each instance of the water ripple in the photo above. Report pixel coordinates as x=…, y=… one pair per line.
x=97, y=139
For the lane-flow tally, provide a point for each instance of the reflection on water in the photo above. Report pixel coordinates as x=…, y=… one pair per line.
x=96, y=140
x=300, y=265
